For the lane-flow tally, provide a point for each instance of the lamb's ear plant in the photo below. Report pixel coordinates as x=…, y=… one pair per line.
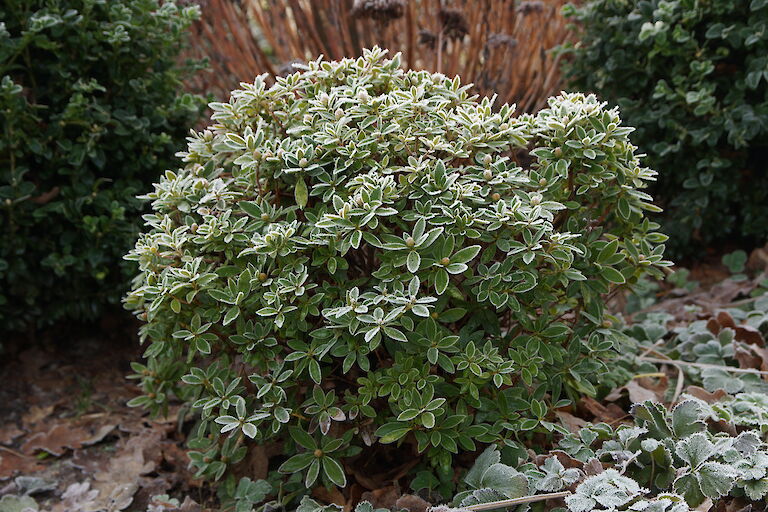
x=354, y=257
x=662, y=461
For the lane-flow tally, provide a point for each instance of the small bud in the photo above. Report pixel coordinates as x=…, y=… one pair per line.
x=542, y=182
x=303, y=163
x=445, y=261
x=496, y=196
x=607, y=324
x=487, y=160
x=558, y=152
x=256, y=154
x=318, y=452
x=280, y=152
x=410, y=242
x=339, y=113
x=8, y=202
x=434, y=315
x=504, y=126
x=536, y=199
x=307, y=118
x=487, y=174
x=363, y=97
x=265, y=217
x=262, y=276
x=193, y=227
x=324, y=98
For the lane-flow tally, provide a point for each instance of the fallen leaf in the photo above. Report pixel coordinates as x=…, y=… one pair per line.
x=703, y=394
x=8, y=433
x=12, y=463
x=382, y=498
x=571, y=422
x=56, y=440
x=412, y=503
x=36, y=413
x=79, y=497
x=750, y=335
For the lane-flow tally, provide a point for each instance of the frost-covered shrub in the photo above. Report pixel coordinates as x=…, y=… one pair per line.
x=353, y=257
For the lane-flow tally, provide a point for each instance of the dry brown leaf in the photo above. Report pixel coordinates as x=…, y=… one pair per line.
x=750, y=335
x=329, y=496
x=36, y=413
x=412, y=503
x=56, y=440
x=610, y=414
x=8, y=433
x=12, y=463
x=703, y=394
x=636, y=392
x=571, y=422
x=382, y=498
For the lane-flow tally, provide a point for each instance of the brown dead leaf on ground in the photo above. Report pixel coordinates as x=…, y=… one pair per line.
x=382, y=498
x=13, y=463
x=56, y=440
x=412, y=503
x=640, y=390
x=703, y=394
x=36, y=413
x=606, y=414
x=9, y=433
x=571, y=422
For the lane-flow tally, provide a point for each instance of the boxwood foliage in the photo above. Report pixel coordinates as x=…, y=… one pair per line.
x=352, y=257
x=693, y=78
x=89, y=111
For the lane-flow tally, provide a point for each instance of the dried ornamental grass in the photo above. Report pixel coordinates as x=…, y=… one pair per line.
x=499, y=45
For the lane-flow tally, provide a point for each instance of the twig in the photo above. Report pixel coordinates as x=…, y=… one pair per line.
x=517, y=501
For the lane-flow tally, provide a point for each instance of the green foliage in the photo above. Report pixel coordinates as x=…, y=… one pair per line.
x=664, y=461
x=352, y=257
x=693, y=78
x=89, y=112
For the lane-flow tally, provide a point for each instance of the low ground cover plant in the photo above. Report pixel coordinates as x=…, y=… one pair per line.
x=353, y=263
x=90, y=108
x=691, y=76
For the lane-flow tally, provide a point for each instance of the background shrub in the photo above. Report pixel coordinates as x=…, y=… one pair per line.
x=90, y=111
x=354, y=252
x=692, y=77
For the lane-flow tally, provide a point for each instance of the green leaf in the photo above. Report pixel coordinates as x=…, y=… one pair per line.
x=715, y=479
x=334, y=471
x=695, y=450
x=612, y=275
x=466, y=254
x=413, y=262
x=441, y=281
x=300, y=193
x=296, y=463
x=505, y=480
x=302, y=438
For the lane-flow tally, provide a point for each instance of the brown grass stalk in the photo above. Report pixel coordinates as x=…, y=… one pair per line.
x=499, y=45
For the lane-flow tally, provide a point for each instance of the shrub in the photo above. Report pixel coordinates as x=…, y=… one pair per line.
x=90, y=111
x=352, y=257
x=691, y=77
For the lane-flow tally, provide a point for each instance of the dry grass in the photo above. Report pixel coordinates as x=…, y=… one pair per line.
x=499, y=45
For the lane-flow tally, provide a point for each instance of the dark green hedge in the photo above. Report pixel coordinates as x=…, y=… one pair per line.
x=91, y=110
x=692, y=75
